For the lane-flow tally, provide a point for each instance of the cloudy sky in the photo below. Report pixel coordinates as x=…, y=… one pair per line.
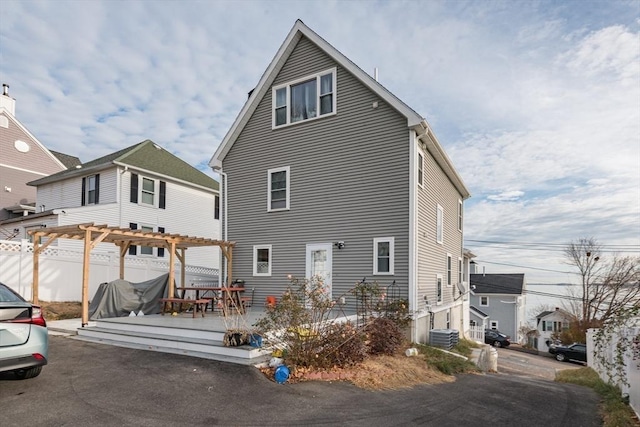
x=536, y=102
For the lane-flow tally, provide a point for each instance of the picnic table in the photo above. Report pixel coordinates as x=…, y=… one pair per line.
x=231, y=296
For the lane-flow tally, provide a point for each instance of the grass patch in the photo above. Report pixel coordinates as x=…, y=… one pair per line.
x=464, y=347
x=446, y=363
x=615, y=411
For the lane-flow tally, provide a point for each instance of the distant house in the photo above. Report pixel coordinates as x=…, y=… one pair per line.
x=326, y=173
x=549, y=323
x=22, y=159
x=141, y=187
x=502, y=298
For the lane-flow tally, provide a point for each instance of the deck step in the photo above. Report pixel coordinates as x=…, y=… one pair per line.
x=178, y=344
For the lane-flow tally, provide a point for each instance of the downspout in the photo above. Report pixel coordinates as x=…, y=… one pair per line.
x=413, y=245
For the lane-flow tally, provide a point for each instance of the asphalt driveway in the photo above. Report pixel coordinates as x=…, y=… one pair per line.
x=99, y=385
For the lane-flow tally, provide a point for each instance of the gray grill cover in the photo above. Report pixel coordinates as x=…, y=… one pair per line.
x=119, y=298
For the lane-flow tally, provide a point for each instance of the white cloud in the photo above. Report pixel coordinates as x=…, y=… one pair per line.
x=535, y=102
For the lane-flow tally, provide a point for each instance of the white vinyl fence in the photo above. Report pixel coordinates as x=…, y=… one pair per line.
x=631, y=368
x=60, y=270
x=476, y=333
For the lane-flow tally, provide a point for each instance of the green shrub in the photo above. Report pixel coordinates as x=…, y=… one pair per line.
x=446, y=363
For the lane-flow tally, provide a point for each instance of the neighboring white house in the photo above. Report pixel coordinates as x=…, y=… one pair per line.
x=549, y=323
x=501, y=297
x=140, y=187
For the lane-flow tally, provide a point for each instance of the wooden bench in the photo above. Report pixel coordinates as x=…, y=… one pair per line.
x=168, y=304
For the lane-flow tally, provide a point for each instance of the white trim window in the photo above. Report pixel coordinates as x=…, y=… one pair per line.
x=439, y=289
x=420, y=169
x=460, y=275
x=449, y=270
x=308, y=98
x=383, y=255
x=460, y=215
x=439, y=224
x=146, y=250
x=484, y=301
x=278, y=182
x=262, y=260
x=493, y=325
x=148, y=191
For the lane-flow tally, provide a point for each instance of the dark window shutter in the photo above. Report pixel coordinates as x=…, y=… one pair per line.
x=133, y=250
x=216, y=208
x=160, y=250
x=163, y=195
x=97, y=188
x=133, y=197
x=83, y=201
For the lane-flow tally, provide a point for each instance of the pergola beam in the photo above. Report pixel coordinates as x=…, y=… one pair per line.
x=93, y=234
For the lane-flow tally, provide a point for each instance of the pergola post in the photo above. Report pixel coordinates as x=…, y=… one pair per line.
x=172, y=273
x=85, y=278
x=36, y=266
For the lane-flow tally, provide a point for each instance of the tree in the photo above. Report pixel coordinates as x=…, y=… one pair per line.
x=608, y=287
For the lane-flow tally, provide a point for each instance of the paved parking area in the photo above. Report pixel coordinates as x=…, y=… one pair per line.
x=538, y=365
x=99, y=385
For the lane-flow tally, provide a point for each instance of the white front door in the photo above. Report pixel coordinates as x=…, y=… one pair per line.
x=319, y=263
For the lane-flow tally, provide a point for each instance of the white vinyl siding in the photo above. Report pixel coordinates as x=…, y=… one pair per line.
x=383, y=256
x=304, y=99
x=278, y=182
x=262, y=260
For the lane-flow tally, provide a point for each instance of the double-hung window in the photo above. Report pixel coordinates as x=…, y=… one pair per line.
x=420, y=169
x=305, y=99
x=449, y=271
x=262, y=260
x=148, y=191
x=460, y=215
x=278, y=189
x=438, y=289
x=484, y=301
x=90, y=190
x=383, y=254
x=439, y=224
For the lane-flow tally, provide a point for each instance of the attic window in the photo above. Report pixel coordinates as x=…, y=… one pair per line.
x=304, y=99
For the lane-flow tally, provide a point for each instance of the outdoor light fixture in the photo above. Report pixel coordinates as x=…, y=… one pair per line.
x=340, y=244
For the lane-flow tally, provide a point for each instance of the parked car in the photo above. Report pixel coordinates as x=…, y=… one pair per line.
x=24, y=342
x=573, y=352
x=496, y=338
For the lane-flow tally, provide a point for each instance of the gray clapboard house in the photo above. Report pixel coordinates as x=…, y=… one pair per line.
x=498, y=302
x=325, y=172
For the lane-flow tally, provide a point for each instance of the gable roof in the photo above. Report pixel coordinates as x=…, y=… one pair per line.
x=479, y=313
x=67, y=160
x=145, y=156
x=299, y=30
x=497, y=283
x=557, y=310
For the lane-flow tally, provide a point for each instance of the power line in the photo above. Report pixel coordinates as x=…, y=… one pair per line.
x=531, y=268
x=543, y=243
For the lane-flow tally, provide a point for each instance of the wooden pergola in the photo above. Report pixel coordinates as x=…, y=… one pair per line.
x=93, y=234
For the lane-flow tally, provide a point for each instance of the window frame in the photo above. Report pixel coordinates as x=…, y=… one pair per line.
x=256, y=248
x=147, y=229
x=376, y=267
x=486, y=298
x=460, y=215
x=143, y=191
x=491, y=325
x=449, y=266
x=287, y=86
x=270, y=172
x=439, y=290
x=439, y=224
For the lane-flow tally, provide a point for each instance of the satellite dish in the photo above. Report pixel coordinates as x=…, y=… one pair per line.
x=461, y=288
